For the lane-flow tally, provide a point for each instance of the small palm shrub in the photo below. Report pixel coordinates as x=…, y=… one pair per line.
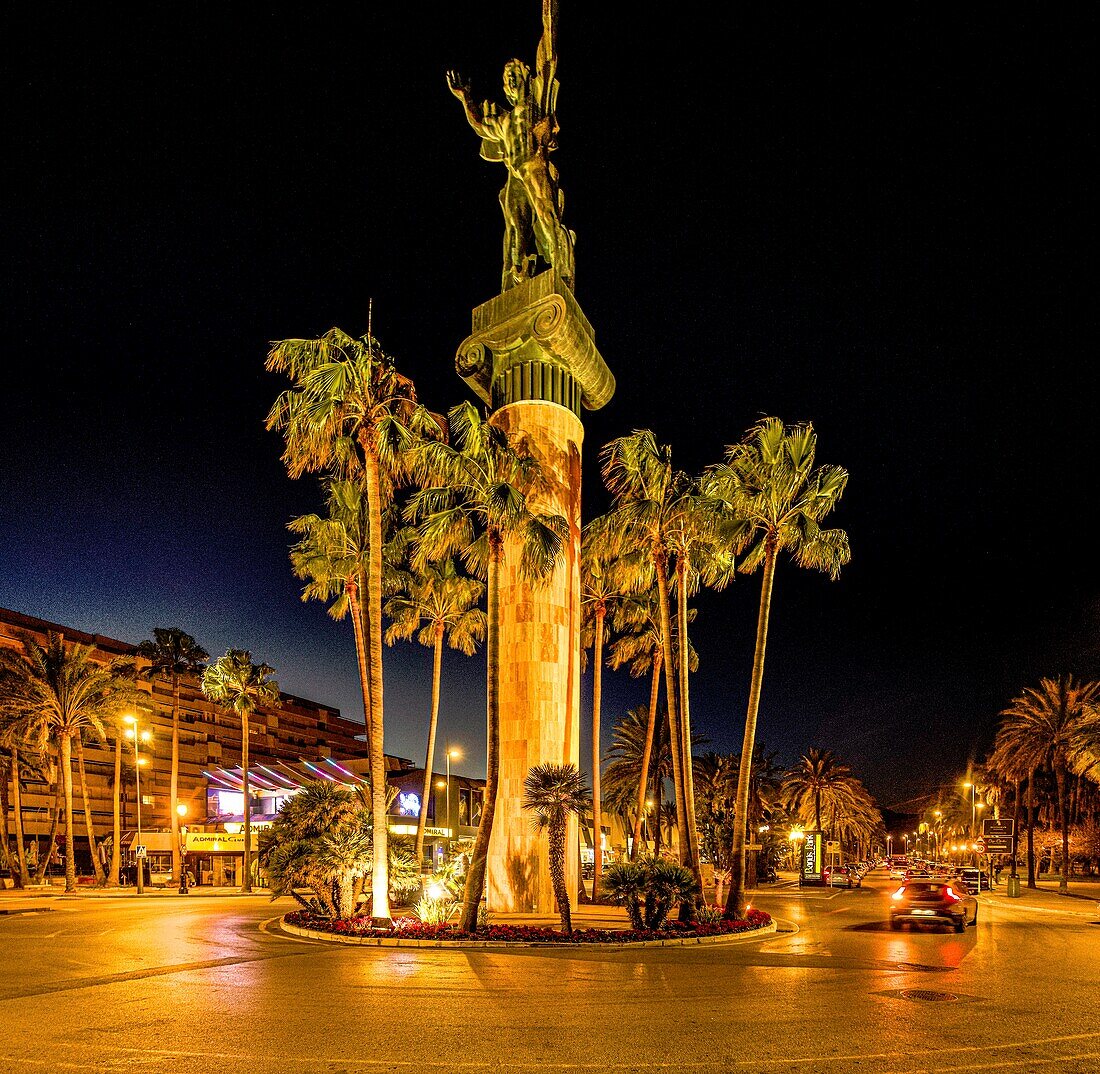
x=709, y=915
x=431, y=911
x=648, y=888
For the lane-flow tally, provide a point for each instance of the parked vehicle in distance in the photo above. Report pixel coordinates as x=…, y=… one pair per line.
x=933, y=902
x=977, y=879
x=842, y=876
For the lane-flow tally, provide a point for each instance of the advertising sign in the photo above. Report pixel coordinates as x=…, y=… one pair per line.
x=810, y=873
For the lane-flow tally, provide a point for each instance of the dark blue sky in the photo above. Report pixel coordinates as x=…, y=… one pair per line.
x=877, y=220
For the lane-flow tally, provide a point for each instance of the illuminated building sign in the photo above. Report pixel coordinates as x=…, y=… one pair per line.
x=218, y=842
x=430, y=832
x=409, y=804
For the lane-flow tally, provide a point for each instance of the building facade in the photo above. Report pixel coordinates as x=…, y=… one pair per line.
x=289, y=743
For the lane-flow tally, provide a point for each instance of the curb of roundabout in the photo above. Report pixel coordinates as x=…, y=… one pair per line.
x=385, y=941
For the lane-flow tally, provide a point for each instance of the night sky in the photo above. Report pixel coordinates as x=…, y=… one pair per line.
x=877, y=218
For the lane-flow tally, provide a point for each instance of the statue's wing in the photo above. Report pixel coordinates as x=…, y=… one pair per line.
x=544, y=86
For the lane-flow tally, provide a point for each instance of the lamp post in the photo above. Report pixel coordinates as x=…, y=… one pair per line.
x=133, y=732
x=181, y=812
x=796, y=836
x=457, y=755
x=974, y=807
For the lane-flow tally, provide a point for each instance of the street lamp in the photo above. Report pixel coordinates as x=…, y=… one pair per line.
x=137, y=735
x=457, y=755
x=181, y=812
x=796, y=836
x=973, y=814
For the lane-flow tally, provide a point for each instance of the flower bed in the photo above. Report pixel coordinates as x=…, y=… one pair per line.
x=409, y=928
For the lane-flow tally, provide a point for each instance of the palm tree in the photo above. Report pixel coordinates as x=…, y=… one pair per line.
x=62, y=691
x=351, y=414
x=636, y=746
x=97, y=865
x=649, y=499
x=554, y=793
x=18, y=754
x=601, y=584
x=1054, y=725
x=819, y=786
x=769, y=482
x=172, y=653
x=472, y=497
x=437, y=603
x=333, y=558
x=640, y=648
x=236, y=683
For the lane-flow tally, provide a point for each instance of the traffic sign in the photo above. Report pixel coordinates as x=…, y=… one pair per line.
x=980, y=846
x=139, y=851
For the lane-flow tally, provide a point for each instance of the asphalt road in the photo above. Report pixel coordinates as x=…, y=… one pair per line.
x=200, y=986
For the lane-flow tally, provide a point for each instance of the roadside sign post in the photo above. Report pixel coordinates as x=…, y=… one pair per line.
x=999, y=837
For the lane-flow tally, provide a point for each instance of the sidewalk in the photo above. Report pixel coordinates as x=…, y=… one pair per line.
x=1082, y=899
x=29, y=900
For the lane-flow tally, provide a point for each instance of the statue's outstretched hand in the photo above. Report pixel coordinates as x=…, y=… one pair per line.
x=457, y=86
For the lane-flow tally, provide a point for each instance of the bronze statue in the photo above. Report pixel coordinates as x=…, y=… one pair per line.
x=523, y=136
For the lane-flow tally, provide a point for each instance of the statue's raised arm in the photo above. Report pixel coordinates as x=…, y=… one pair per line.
x=522, y=136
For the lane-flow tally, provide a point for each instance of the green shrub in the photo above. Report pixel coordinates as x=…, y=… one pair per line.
x=648, y=888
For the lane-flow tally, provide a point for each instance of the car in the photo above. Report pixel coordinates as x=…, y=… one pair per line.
x=976, y=879
x=933, y=902
x=842, y=876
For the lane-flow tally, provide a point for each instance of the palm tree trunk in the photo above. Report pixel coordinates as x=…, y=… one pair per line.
x=51, y=841
x=658, y=790
x=597, y=818
x=355, y=606
x=20, y=837
x=380, y=874
x=97, y=866
x=673, y=720
x=735, y=901
x=475, y=878
x=246, y=813
x=1063, y=819
x=1015, y=826
x=647, y=753
x=556, y=834
x=437, y=667
x=116, y=814
x=1031, y=830
x=5, y=834
x=67, y=783
x=173, y=790
x=685, y=744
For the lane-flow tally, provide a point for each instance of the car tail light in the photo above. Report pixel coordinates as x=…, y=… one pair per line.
x=898, y=894
x=951, y=896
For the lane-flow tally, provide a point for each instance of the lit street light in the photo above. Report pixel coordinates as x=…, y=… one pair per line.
x=181, y=812
x=137, y=735
x=457, y=755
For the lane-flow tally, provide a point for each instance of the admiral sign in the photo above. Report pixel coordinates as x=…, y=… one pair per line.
x=218, y=842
